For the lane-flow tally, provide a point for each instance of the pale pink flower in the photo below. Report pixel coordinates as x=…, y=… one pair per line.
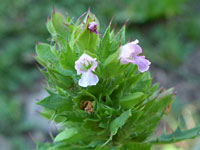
x=129, y=54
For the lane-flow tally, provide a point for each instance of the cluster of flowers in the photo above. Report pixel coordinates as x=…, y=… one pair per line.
x=129, y=52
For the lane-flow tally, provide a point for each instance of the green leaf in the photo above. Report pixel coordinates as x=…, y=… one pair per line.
x=153, y=90
x=50, y=27
x=59, y=79
x=83, y=96
x=119, y=122
x=131, y=82
x=67, y=58
x=42, y=146
x=91, y=124
x=56, y=102
x=44, y=53
x=136, y=146
x=105, y=46
x=111, y=66
x=66, y=134
x=158, y=105
x=121, y=35
x=146, y=76
x=59, y=21
x=76, y=116
x=130, y=70
x=87, y=40
x=143, y=85
x=93, y=18
x=177, y=136
x=163, y=100
x=131, y=100
x=166, y=93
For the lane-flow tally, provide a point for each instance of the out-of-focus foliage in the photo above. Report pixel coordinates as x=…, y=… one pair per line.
x=10, y=117
x=142, y=11
x=12, y=123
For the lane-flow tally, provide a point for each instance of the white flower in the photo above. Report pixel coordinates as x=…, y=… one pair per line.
x=86, y=65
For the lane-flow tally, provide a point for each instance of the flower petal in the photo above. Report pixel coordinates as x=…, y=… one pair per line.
x=135, y=42
x=142, y=63
x=94, y=65
x=88, y=79
x=125, y=53
x=136, y=49
x=126, y=61
x=85, y=59
x=128, y=51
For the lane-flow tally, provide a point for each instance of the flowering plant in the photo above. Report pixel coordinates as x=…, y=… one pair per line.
x=100, y=89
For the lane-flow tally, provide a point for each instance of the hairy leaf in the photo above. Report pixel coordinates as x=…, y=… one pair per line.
x=131, y=100
x=66, y=134
x=177, y=136
x=56, y=102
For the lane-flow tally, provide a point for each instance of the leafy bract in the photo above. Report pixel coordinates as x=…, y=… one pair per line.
x=119, y=122
x=56, y=102
x=44, y=53
x=131, y=100
x=66, y=134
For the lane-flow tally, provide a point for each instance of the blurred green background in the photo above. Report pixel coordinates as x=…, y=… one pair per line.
x=168, y=30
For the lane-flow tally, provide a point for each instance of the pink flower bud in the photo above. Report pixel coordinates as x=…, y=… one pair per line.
x=92, y=26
